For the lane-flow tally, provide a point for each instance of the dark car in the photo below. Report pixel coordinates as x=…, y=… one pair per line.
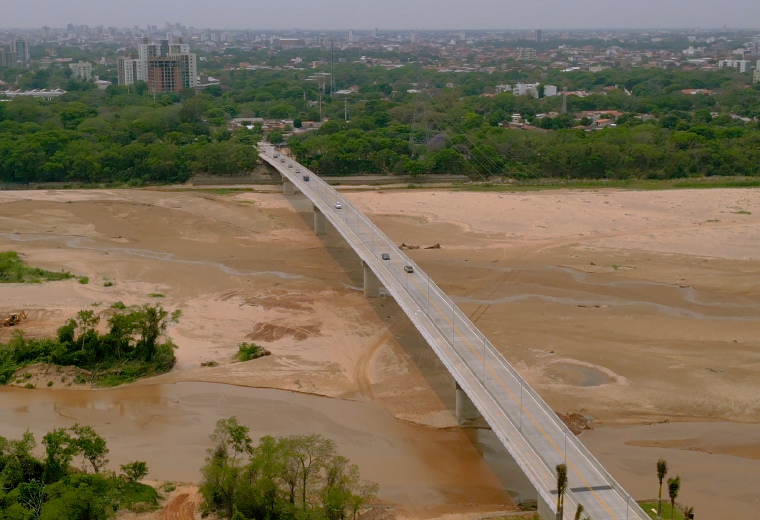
x=408, y=269
x=385, y=256
x=306, y=178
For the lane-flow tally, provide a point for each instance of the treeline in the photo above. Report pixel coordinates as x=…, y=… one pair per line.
x=122, y=141
x=407, y=120
x=133, y=347
x=51, y=488
x=468, y=137
x=284, y=478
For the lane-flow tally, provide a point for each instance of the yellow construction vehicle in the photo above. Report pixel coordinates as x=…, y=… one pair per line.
x=14, y=319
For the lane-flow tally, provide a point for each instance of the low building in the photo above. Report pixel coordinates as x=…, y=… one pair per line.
x=756, y=75
x=550, y=90
x=526, y=89
x=741, y=66
x=526, y=54
x=81, y=70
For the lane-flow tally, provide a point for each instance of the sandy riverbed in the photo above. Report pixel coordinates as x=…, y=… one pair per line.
x=629, y=307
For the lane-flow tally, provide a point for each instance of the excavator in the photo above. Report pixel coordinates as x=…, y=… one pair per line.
x=14, y=319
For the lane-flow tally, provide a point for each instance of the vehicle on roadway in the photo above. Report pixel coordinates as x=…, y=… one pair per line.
x=276, y=155
x=290, y=165
x=409, y=269
x=298, y=170
x=306, y=178
x=282, y=160
x=338, y=205
x=385, y=256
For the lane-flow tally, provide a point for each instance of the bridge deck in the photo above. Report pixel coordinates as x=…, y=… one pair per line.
x=528, y=428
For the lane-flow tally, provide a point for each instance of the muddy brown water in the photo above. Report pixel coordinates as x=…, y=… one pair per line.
x=418, y=469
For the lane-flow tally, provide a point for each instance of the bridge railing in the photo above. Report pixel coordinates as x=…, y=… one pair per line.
x=492, y=361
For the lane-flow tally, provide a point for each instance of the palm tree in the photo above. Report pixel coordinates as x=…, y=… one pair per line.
x=688, y=513
x=674, y=484
x=561, y=488
x=579, y=512
x=662, y=470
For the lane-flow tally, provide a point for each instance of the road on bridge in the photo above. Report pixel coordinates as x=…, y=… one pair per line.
x=532, y=433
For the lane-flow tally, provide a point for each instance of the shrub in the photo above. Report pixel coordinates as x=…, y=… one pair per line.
x=248, y=351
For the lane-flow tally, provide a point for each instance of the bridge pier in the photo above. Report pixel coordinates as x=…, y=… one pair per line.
x=288, y=188
x=371, y=282
x=466, y=409
x=545, y=511
x=320, y=224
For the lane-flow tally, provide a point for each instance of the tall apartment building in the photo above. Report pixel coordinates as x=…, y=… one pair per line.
x=526, y=54
x=539, y=35
x=21, y=48
x=81, y=70
x=7, y=58
x=126, y=70
x=166, y=67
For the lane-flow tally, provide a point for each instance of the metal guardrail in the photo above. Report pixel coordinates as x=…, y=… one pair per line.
x=461, y=326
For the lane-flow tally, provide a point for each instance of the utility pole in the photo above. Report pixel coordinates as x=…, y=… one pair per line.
x=332, y=68
x=345, y=109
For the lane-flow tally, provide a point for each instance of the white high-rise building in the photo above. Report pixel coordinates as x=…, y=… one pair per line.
x=21, y=48
x=127, y=70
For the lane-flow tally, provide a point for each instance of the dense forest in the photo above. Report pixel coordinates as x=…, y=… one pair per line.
x=448, y=123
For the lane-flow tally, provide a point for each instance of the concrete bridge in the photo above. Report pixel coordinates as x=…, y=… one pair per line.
x=486, y=384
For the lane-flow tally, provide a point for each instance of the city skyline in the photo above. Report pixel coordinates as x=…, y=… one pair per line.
x=396, y=15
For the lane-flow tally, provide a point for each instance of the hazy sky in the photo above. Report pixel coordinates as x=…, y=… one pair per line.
x=384, y=14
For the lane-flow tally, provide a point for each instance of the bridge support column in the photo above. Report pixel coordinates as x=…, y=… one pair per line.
x=545, y=512
x=371, y=282
x=466, y=409
x=320, y=225
x=288, y=188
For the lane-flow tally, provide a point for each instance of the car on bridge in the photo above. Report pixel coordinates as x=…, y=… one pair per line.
x=385, y=256
x=276, y=155
x=282, y=160
x=338, y=205
x=290, y=165
x=409, y=269
x=306, y=178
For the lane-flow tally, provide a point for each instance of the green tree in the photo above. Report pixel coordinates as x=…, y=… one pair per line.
x=662, y=470
x=674, y=486
x=60, y=448
x=561, y=488
x=134, y=471
x=91, y=446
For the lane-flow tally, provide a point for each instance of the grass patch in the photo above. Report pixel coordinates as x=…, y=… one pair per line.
x=156, y=295
x=626, y=184
x=648, y=506
x=248, y=351
x=13, y=270
x=84, y=280
x=118, y=305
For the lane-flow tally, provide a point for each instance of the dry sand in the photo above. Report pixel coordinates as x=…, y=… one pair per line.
x=628, y=307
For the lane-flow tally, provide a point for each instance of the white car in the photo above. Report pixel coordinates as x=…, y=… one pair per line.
x=290, y=165
x=338, y=205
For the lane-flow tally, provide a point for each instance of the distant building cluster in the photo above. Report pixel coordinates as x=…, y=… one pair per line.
x=164, y=66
